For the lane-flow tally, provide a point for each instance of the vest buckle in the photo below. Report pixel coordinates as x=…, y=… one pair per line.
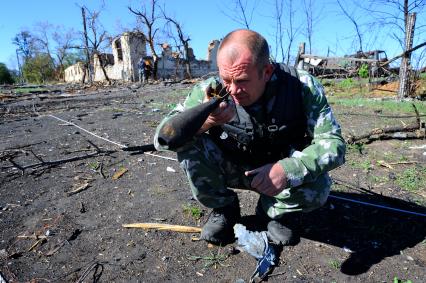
x=272, y=128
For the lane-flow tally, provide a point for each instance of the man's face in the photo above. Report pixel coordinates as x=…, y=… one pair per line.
x=241, y=77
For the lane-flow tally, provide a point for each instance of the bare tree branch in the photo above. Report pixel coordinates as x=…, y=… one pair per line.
x=184, y=40
x=149, y=20
x=240, y=11
x=354, y=22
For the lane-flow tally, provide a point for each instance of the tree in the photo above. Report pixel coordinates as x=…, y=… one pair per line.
x=279, y=33
x=96, y=38
x=73, y=57
x=311, y=18
x=65, y=43
x=149, y=18
x=184, y=40
x=290, y=29
x=42, y=35
x=392, y=15
x=25, y=43
x=38, y=69
x=399, y=16
x=351, y=17
x=241, y=12
x=5, y=75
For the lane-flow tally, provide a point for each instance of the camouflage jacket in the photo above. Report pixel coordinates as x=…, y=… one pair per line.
x=327, y=149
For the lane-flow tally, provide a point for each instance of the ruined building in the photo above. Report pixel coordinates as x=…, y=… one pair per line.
x=120, y=65
x=129, y=48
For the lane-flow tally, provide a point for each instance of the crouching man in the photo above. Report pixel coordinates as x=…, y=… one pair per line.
x=276, y=135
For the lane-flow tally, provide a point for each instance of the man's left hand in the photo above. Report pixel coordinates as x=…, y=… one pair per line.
x=269, y=179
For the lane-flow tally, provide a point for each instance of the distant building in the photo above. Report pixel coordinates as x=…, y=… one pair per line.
x=128, y=48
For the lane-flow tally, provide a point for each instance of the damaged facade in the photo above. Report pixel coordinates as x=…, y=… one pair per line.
x=171, y=66
x=120, y=65
x=129, y=48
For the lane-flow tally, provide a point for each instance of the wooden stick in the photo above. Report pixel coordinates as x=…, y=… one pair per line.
x=38, y=242
x=79, y=189
x=119, y=173
x=35, y=237
x=166, y=227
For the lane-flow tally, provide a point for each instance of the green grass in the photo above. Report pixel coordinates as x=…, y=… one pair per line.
x=356, y=147
x=346, y=83
x=397, y=280
x=377, y=179
x=212, y=260
x=364, y=165
x=181, y=93
x=116, y=109
x=390, y=105
x=21, y=90
x=335, y=264
x=412, y=179
x=392, y=157
x=193, y=211
x=171, y=105
x=94, y=165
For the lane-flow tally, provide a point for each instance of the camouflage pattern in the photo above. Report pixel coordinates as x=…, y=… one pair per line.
x=211, y=174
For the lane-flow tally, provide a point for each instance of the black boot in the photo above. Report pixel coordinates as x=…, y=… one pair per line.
x=219, y=226
x=278, y=232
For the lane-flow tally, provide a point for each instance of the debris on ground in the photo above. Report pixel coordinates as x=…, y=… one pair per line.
x=257, y=245
x=119, y=173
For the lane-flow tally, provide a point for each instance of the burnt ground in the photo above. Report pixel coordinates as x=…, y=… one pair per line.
x=83, y=235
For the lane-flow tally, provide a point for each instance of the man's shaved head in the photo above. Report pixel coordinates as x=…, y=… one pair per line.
x=258, y=46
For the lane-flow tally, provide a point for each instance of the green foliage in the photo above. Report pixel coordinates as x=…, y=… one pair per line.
x=5, y=75
x=347, y=83
x=193, y=211
x=412, y=179
x=73, y=58
x=16, y=76
x=39, y=69
x=363, y=71
x=25, y=43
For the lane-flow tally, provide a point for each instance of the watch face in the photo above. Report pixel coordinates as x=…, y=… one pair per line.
x=224, y=136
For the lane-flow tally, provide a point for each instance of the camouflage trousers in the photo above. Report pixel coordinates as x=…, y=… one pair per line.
x=211, y=175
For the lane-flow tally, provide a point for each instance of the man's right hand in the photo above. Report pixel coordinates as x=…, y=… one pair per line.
x=223, y=114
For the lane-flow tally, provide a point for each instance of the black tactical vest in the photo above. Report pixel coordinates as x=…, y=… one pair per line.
x=284, y=124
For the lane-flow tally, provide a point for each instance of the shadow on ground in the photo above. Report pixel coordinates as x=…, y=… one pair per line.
x=371, y=233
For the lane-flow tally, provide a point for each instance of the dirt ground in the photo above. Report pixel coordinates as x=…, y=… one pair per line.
x=50, y=233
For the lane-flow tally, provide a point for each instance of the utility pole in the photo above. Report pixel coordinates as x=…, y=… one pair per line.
x=86, y=47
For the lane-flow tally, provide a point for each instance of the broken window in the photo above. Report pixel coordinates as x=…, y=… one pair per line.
x=119, y=50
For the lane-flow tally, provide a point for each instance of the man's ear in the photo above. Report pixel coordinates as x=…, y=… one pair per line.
x=267, y=71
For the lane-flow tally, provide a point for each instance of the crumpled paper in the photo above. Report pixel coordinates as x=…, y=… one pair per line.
x=257, y=245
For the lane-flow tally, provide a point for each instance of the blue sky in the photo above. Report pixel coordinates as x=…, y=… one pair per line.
x=202, y=20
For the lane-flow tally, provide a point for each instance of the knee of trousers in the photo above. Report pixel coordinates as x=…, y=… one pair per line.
x=202, y=165
x=304, y=198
